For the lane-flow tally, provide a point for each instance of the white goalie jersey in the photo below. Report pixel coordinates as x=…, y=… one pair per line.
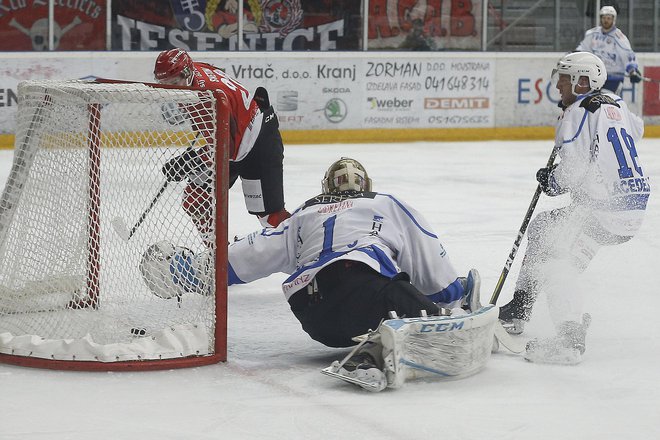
x=376, y=229
x=597, y=138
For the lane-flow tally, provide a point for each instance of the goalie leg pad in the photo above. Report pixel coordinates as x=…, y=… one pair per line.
x=426, y=347
x=439, y=347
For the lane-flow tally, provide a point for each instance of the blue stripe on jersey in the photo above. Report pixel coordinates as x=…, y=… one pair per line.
x=584, y=118
x=387, y=267
x=451, y=293
x=232, y=277
x=267, y=232
x=430, y=234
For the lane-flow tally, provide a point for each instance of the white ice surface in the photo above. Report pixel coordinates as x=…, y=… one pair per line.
x=475, y=194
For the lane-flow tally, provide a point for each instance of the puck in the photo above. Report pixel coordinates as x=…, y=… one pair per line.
x=138, y=331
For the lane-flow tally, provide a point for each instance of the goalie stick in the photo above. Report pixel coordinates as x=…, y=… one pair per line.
x=119, y=224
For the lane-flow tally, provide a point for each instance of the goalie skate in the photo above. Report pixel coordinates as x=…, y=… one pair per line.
x=365, y=376
x=359, y=367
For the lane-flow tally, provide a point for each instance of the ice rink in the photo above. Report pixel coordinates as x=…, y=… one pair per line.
x=475, y=194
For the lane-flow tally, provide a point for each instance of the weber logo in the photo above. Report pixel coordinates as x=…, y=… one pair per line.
x=455, y=103
x=287, y=100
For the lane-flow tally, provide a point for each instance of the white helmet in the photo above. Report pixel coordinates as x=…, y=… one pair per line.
x=608, y=10
x=579, y=64
x=346, y=174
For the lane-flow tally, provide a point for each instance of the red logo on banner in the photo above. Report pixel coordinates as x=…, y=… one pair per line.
x=652, y=92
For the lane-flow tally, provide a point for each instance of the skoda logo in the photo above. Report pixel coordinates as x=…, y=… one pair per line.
x=335, y=110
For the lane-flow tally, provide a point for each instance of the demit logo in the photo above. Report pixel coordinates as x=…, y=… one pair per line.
x=455, y=103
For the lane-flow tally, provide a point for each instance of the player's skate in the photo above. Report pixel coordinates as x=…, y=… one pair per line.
x=515, y=313
x=566, y=348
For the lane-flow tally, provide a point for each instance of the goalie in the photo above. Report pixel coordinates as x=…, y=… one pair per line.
x=353, y=257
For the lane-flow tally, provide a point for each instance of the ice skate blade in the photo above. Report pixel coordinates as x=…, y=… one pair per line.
x=373, y=386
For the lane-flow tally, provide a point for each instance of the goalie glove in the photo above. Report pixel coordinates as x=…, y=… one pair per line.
x=182, y=166
x=635, y=76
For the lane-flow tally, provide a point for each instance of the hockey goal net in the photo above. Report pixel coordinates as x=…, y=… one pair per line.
x=88, y=159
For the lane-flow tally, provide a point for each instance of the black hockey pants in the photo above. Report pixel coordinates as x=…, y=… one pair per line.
x=351, y=299
x=264, y=164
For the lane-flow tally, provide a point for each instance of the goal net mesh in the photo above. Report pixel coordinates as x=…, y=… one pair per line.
x=88, y=158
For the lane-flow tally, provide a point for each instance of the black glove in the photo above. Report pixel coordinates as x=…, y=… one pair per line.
x=543, y=177
x=635, y=76
x=180, y=167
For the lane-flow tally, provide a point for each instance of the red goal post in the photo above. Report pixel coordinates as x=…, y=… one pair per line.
x=73, y=290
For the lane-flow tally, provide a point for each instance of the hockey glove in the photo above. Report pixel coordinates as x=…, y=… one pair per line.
x=544, y=177
x=273, y=220
x=180, y=167
x=635, y=76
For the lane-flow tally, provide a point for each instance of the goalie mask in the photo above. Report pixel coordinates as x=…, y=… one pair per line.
x=346, y=174
x=579, y=64
x=170, y=271
x=174, y=67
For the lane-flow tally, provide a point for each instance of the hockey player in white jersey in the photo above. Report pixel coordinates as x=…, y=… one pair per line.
x=353, y=256
x=611, y=45
x=597, y=139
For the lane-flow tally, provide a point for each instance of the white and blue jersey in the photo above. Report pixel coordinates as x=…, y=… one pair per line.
x=597, y=137
x=376, y=229
x=613, y=48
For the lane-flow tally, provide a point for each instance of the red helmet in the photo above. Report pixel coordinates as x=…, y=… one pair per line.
x=172, y=64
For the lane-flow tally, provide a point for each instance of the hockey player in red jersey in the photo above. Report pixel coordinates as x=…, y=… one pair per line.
x=256, y=150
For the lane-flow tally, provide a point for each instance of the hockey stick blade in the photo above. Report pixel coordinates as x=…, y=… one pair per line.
x=120, y=228
x=513, y=345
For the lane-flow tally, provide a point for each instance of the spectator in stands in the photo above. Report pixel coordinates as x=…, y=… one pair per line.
x=609, y=44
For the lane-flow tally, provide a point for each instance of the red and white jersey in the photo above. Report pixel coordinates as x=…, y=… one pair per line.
x=245, y=118
x=598, y=137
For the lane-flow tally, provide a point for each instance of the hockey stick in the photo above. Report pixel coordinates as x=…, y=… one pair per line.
x=521, y=234
x=502, y=336
x=646, y=79
x=119, y=224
